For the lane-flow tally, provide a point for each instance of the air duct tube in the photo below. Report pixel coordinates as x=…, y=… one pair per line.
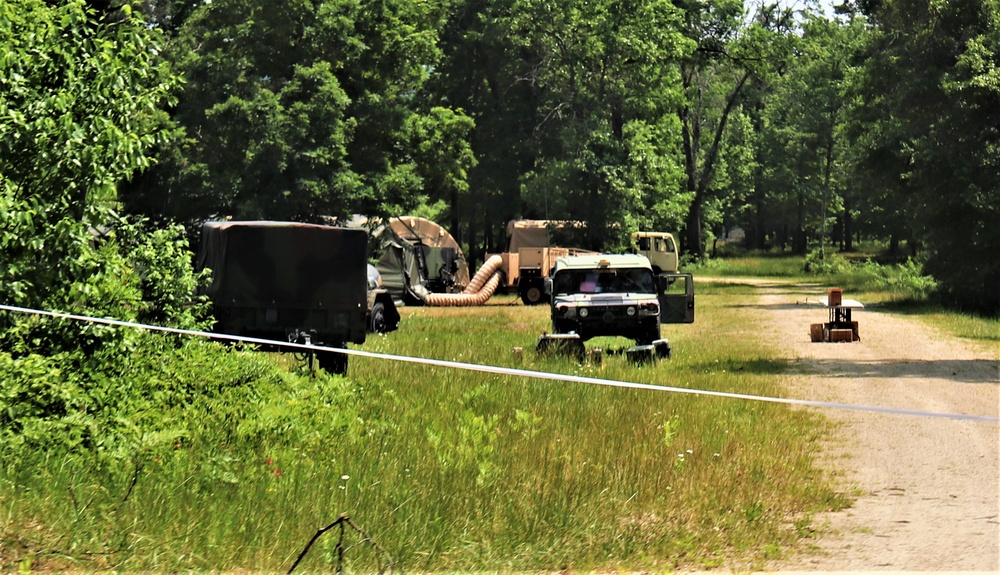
x=478, y=292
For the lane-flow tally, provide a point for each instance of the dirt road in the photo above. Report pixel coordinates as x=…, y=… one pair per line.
x=928, y=489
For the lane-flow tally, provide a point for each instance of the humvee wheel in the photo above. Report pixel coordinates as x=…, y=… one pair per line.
x=376, y=322
x=648, y=336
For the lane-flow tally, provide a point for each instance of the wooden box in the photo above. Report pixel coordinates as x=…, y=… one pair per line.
x=838, y=335
x=834, y=296
x=816, y=332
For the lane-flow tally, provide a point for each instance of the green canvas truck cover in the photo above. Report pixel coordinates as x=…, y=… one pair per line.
x=270, y=279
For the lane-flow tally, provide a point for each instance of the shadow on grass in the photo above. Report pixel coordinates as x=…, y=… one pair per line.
x=975, y=371
x=800, y=305
x=753, y=366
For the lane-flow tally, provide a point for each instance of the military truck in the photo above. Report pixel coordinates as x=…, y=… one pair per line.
x=615, y=295
x=532, y=250
x=660, y=248
x=288, y=282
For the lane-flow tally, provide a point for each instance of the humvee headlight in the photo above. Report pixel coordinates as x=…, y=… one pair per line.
x=630, y=311
x=584, y=312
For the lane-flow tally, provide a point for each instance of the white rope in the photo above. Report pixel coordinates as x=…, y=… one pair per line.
x=510, y=371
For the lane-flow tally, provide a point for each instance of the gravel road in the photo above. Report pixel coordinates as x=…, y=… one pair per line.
x=928, y=489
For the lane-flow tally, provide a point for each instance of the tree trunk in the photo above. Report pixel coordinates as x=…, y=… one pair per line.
x=693, y=226
x=456, y=221
x=799, y=239
x=848, y=227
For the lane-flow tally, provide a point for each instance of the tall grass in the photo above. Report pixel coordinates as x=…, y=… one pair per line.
x=752, y=265
x=899, y=287
x=449, y=469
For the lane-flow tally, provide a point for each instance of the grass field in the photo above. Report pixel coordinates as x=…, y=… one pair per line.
x=448, y=469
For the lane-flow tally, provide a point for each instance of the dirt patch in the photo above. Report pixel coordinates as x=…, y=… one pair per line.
x=927, y=488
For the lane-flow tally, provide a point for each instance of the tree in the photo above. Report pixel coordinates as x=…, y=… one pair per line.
x=572, y=102
x=803, y=130
x=303, y=111
x=731, y=57
x=930, y=125
x=76, y=116
x=78, y=98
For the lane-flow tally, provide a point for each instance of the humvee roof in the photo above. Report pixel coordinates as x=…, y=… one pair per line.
x=610, y=261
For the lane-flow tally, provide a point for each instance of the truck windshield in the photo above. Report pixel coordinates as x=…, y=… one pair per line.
x=635, y=280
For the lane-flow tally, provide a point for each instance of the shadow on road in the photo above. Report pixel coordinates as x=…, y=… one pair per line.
x=958, y=370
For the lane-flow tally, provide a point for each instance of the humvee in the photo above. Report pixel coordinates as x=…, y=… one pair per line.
x=615, y=295
x=289, y=282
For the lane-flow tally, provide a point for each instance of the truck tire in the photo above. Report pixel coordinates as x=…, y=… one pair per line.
x=648, y=336
x=332, y=361
x=376, y=318
x=532, y=294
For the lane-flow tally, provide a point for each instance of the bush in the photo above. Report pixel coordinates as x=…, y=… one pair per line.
x=904, y=282
x=821, y=263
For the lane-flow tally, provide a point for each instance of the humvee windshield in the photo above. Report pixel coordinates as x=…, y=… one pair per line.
x=634, y=280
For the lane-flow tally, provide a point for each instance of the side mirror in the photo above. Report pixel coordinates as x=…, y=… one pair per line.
x=547, y=286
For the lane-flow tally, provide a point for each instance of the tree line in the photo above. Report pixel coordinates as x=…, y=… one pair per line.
x=802, y=128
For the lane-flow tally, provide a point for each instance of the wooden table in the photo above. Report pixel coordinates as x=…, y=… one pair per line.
x=840, y=327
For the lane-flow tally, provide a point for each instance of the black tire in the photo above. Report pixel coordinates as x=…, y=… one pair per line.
x=648, y=335
x=376, y=318
x=332, y=361
x=533, y=294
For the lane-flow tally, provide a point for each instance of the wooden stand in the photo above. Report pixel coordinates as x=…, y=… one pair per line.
x=840, y=327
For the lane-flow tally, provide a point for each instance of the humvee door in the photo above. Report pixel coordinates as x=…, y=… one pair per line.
x=676, y=295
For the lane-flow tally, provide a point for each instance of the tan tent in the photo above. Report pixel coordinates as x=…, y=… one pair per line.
x=420, y=257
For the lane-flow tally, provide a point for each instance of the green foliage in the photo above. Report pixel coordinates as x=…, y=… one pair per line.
x=161, y=259
x=926, y=122
x=304, y=111
x=76, y=103
x=802, y=180
x=735, y=59
x=99, y=427
x=901, y=282
x=77, y=115
x=574, y=107
x=820, y=262
x=211, y=459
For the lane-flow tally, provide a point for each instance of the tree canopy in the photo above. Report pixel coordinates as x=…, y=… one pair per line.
x=304, y=111
x=801, y=128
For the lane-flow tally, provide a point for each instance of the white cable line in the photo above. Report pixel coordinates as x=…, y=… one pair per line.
x=510, y=371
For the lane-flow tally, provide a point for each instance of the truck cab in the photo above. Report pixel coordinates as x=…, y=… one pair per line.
x=660, y=249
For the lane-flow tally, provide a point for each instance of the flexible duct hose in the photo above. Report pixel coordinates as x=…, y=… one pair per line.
x=485, y=272
x=479, y=290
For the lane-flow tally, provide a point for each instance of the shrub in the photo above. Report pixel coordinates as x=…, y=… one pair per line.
x=821, y=263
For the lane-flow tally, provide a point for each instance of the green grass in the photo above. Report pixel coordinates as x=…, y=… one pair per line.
x=894, y=285
x=752, y=265
x=455, y=470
